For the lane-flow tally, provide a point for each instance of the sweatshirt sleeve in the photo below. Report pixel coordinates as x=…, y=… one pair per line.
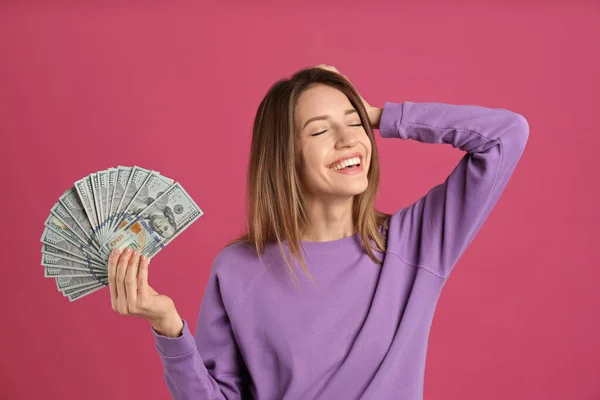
x=433, y=232
x=208, y=365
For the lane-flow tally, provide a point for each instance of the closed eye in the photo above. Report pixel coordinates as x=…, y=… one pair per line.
x=320, y=133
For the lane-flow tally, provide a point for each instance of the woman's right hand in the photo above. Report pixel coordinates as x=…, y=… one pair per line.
x=130, y=293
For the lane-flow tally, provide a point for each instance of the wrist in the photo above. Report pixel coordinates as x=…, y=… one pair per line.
x=171, y=325
x=375, y=116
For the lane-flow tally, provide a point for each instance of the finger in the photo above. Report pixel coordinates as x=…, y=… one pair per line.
x=121, y=270
x=143, y=286
x=112, y=284
x=131, y=279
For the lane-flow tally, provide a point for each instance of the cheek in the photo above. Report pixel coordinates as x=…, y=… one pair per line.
x=367, y=145
x=305, y=160
x=316, y=157
x=365, y=141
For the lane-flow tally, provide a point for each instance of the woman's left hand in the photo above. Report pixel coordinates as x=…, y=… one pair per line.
x=373, y=112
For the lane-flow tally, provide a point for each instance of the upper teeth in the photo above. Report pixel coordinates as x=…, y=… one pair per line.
x=347, y=162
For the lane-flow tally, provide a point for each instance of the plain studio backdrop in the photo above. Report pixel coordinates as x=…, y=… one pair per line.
x=174, y=87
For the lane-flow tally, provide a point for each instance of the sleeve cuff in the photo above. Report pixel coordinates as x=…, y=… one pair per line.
x=391, y=116
x=178, y=346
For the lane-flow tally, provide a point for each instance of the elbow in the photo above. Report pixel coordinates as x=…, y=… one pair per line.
x=519, y=130
x=518, y=133
x=522, y=125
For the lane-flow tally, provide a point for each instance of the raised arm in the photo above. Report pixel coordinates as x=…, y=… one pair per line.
x=433, y=232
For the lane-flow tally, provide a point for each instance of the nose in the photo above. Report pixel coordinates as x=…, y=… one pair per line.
x=346, y=137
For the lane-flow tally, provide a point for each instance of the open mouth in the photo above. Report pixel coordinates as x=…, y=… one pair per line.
x=350, y=167
x=348, y=164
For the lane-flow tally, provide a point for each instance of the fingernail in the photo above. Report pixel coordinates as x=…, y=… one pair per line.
x=127, y=250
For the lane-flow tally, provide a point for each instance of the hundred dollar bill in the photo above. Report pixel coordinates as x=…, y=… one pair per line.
x=61, y=213
x=55, y=251
x=56, y=261
x=55, y=225
x=136, y=178
x=84, y=191
x=55, y=239
x=120, y=206
x=85, y=292
x=103, y=197
x=71, y=282
x=139, y=176
x=67, y=292
x=86, y=288
x=152, y=188
x=158, y=224
x=122, y=178
x=71, y=202
x=97, y=202
x=53, y=272
x=112, y=179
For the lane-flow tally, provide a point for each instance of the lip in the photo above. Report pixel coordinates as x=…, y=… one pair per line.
x=347, y=156
x=349, y=171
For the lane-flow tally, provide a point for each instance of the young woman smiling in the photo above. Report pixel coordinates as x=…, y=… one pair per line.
x=355, y=324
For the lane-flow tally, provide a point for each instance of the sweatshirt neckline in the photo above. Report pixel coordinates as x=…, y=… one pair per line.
x=332, y=245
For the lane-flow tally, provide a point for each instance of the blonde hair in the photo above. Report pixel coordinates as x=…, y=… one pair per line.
x=275, y=205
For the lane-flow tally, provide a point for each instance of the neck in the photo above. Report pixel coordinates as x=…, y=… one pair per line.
x=328, y=220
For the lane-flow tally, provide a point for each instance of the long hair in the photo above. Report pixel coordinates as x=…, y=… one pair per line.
x=275, y=207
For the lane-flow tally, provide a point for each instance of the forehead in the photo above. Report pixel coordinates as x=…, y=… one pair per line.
x=319, y=100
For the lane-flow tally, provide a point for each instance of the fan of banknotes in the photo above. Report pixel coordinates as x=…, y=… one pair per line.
x=118, y=207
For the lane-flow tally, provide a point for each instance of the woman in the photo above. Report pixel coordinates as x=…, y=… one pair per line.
x=356, y=323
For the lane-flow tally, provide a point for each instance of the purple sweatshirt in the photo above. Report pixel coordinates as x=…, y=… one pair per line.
x=362, y=331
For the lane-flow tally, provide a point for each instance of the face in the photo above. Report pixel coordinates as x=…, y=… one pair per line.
x=320, y=143
x=162, y=226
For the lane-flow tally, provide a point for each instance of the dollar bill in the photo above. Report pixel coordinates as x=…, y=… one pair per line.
x=50, y=249
x=95, y=182
x=85, y=292
x=152, y=188
x=54, y=239
x=136, y=178
x=158, y=224
x=56, y=261
x=71, y=282
x=123, y=174
x=112, y=180
x=60, y=212
x=117, y=207
x=67, y=292
x=103, y=198
x=56, y=226
x=83, y=188
x=71, y=202
x=53, y=272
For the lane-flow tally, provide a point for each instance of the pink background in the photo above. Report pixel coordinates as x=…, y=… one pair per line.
x=175, y=88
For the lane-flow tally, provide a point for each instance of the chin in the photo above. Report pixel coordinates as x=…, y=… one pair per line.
x=354, y=190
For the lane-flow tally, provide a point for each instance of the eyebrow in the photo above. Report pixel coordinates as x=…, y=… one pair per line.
x=320, y=117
